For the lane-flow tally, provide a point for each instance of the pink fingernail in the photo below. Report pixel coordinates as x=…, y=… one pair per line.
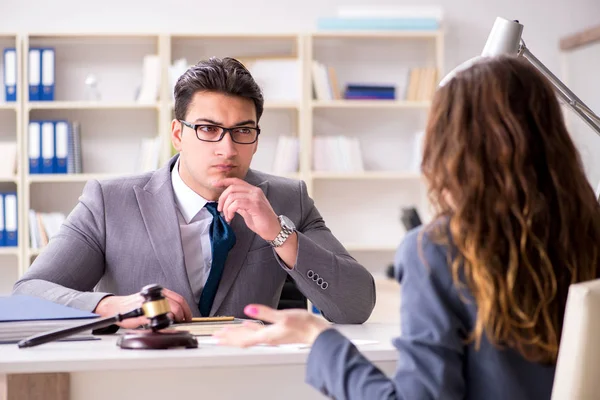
x=251, y=310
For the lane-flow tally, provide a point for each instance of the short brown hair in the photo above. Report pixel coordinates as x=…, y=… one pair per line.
x=227, y=75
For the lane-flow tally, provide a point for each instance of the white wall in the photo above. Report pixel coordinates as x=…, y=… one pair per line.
x=468, y=21
x=467, y=24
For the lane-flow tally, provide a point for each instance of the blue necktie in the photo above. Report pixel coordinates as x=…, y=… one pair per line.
x=222, y=239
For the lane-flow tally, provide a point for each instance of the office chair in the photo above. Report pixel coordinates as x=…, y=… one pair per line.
x=291, y=296
x=410, y=219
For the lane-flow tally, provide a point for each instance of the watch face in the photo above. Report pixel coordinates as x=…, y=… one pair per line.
x=287, y=223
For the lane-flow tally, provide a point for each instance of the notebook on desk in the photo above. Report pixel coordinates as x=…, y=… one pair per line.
x=209, y=327
x=25, y=316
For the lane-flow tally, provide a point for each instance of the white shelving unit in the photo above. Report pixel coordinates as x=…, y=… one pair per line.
x=362, y=209
x=111, y=127
x=11, y=261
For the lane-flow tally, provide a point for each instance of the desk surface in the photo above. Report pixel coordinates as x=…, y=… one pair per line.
x=105, y=355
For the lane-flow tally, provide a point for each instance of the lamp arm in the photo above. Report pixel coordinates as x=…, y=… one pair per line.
x=569, y=98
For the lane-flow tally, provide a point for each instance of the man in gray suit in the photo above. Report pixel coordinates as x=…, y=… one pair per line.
x=214, y=233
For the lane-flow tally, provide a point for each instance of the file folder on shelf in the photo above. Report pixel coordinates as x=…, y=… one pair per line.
x=35, y=147
x=48, y=148
x=48, y=75
x=35, y=73
x=2, y=229
x=61, y=141
x=10, y=219
x=10, y=74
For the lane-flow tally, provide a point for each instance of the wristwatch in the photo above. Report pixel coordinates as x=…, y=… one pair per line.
x=287, y=228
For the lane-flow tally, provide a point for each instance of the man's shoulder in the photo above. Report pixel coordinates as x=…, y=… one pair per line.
x=121, y=184
x=257, y=177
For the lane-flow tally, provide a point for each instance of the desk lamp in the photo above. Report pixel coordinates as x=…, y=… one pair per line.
x=505, y=38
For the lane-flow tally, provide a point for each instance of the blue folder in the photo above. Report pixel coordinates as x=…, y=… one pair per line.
x=27, y=308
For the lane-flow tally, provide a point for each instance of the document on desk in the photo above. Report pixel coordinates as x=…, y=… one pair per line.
x=25, y=316
x=209, y=327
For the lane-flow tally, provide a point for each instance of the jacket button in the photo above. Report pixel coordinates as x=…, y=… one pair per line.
x=324, y=285
x=315, y=277
x=320, y=281
x=310, y=273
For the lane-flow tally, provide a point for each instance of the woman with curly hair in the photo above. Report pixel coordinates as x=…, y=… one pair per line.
x=484, y=285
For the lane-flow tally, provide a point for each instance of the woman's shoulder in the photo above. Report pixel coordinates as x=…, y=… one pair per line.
x=426, y=249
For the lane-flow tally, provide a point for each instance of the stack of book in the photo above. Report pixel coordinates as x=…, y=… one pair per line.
x=337, y=154
x=372, y=17
x=286, y=155
x=369, y=92
x=25, y=316
x=42, y=227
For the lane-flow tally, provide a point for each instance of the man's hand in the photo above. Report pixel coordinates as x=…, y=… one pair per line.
x=113, y=305
x=250, y=202
x=288, y=326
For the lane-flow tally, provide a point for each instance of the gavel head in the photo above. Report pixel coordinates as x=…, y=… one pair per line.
x=156, y=307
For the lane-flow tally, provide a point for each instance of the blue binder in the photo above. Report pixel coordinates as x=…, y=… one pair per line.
x=2, y=228
x=10, y=74
x=11, y=219
x=48, y=74
x=34, y=77
x=48, y=148
x=61, y=146
x=35, y=147
x=26, y=308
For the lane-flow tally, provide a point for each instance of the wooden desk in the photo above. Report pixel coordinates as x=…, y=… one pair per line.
x=99, y=370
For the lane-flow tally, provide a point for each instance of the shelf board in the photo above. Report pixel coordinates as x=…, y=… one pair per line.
x=60, y=178
x=89, y=105
x=395, y=104
x=9, y=251
x=9, y=106
x=367, y=175
x=371, y=247
x=390, y=34
x=235, y=35
x=11, y=179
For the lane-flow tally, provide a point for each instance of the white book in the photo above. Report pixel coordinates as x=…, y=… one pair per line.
x=356, y=160
x=34, y=234
x=150, y=80
x=177, y=69
x=320, y=81
x=52, y=223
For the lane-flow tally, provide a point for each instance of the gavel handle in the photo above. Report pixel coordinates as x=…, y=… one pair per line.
x=66, y=332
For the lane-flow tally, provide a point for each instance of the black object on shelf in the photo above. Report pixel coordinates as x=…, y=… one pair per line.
x=410, y=218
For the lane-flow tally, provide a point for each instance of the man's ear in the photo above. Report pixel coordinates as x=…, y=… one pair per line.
x=176, y=134
x=256, y=143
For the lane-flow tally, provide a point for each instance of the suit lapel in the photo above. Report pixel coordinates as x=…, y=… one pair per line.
x=237, y=255
x=157, y=206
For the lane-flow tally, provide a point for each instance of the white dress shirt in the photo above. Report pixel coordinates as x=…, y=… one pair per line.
x=194, y=225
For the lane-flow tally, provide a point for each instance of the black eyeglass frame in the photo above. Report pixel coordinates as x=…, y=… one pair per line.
x=225, y=130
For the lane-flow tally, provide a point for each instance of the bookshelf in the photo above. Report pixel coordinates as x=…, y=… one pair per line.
x=11, y=261
x=112, y=127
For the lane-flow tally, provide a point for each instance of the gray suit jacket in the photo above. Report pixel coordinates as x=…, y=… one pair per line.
x=124, y=234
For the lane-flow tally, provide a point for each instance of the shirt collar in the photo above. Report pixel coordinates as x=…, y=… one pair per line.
x=188, y=201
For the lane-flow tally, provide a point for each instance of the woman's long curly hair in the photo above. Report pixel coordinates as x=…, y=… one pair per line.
x=502, y=169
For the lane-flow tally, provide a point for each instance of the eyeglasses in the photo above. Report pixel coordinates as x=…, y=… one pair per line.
x=215, y=133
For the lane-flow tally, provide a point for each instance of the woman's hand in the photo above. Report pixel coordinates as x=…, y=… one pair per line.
x=288, y=326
